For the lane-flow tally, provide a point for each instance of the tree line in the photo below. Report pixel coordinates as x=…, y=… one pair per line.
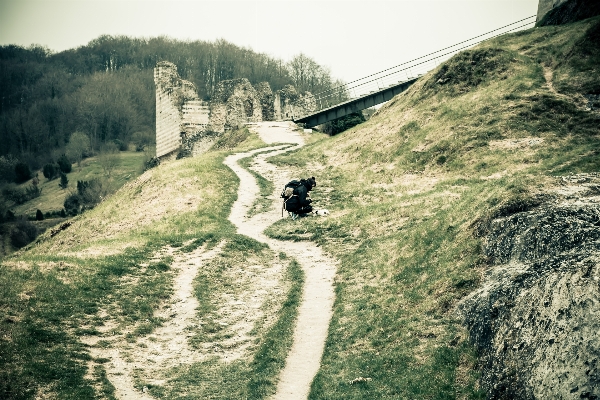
x=105, y=89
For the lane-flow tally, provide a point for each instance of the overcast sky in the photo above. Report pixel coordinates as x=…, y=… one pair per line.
x=352, y=38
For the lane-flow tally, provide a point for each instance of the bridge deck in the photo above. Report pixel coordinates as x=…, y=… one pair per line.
x=354, y=105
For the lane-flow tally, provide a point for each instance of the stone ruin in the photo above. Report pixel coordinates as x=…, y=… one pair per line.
x=234, y=103
x=179, y=111
x=289, y=104
x=183, y=120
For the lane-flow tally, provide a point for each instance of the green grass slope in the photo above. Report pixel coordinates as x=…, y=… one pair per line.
x=483, y=132
x=107, y=269
x=52, y=197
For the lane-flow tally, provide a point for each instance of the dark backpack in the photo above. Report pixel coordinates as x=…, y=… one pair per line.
x=289, y=189
x=289, y=194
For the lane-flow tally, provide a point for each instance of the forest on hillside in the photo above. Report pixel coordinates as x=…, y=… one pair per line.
x=105, y=89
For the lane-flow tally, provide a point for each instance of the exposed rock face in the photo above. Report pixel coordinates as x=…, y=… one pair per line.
x=559, y=12
x=234, y=103
x=536, y=320
x=546, y=5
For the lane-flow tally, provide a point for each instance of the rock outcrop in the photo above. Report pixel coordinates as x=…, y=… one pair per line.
x=559, y=12
x=536, y=320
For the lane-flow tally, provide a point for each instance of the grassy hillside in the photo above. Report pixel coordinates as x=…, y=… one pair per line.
x=481, y=134
x=52, y=197
x=108, y=273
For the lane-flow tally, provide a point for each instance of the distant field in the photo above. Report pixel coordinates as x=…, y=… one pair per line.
x=130, y=167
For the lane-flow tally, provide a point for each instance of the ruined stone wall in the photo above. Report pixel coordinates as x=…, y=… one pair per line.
x=265, y=96
x=194, y=116
x=234, y=103
x=178, y=108
x=289, y=104
x=167, y=112
x=559, y=12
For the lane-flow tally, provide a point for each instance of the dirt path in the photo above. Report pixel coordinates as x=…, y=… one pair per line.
x=148, y=357
x=166, y=346
x=315, y=310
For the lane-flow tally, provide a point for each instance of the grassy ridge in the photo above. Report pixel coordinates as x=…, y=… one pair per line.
x=406, y=188
x=103, y=269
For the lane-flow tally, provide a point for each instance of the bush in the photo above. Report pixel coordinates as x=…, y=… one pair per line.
x=55, y=214
x=121, y=145
x=14, y=194
x=23, y=233
x=143, y=139
x=51, y=171
x=90, y=192
x=151, y=163
x=32, y=192
x=344, y=123
x=65, y=164
x=64, y=181
x=88, y=195
x=19, y=195
x=39, y=216
x=22, y=172
x=72, y=204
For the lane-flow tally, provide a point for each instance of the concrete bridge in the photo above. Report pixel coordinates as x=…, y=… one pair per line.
x=354, y=105
x=384, y=85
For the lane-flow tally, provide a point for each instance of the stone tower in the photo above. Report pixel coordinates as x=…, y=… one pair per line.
x=179, y=112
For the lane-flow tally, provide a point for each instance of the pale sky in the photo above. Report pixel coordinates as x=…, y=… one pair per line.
x=352, y=38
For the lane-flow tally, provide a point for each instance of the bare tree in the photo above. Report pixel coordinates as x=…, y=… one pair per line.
x=78, y=145
x=109, y=158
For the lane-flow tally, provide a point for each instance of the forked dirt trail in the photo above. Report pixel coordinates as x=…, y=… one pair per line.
x=315, y=311
x=149, y=358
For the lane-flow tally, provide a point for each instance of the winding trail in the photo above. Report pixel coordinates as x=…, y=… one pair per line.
x=316, y=308
x=149, y=356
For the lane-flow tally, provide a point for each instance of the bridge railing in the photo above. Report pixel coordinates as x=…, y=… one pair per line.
x=408, y=70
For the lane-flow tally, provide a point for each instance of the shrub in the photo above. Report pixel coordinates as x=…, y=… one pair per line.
x=65, y=164
x=32, y=192
x=151, y=163
x=22, y=172
x=121, y=145
x=88, y=195
x=72, y=204
x=64, y=181
x=78, y=147
x=51, y=171
x=19, y=195
x=14, y=194
x=344, y=123
x=90, y=192
x=143, y=139
x=39, y=216
x=23, y=233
